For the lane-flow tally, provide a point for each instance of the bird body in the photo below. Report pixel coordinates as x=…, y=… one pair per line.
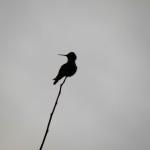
x=68, y=69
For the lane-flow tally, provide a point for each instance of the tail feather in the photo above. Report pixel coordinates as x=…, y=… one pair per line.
x=55, y=81
x=57, y=78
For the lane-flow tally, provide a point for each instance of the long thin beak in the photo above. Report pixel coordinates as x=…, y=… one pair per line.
x=61, y=55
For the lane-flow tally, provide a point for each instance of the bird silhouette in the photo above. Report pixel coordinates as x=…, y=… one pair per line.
x=68, y=69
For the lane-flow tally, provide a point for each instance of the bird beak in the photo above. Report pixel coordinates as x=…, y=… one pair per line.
x=62, y=55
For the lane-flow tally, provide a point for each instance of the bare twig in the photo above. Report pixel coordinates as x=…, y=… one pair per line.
x=51, y=115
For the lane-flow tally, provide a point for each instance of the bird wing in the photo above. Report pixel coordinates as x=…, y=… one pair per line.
x=63, y=69
x=62, y=72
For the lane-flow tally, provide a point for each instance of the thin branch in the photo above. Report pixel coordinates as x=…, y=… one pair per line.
x=51, y=115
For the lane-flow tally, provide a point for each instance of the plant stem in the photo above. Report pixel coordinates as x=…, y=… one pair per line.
x=51, y=115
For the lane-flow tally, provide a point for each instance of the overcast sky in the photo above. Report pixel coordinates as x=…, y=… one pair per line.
x=105, y=105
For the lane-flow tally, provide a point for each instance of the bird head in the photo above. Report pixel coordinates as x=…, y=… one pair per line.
x=70, y=56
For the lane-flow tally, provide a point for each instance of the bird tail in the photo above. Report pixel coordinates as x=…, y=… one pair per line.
x=55, y=81
x=57, y=78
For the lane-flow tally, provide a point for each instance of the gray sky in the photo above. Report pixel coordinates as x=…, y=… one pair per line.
x=105, y=106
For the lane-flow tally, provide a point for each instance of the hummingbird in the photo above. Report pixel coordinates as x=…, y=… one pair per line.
x=68, y=69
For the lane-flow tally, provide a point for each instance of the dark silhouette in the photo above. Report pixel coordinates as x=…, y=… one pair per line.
x=68, y=69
